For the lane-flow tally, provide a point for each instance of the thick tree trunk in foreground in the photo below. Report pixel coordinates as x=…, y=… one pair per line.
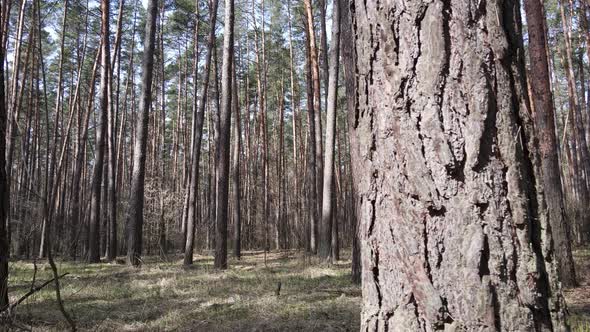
x=224, y=143
x=454, y=227
x=136, y=201
x=545, y=127
x=325, y=244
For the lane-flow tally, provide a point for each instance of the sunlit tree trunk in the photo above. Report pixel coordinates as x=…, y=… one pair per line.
x=325, y=243
x=224, y=142
x=454, y=227
x=236, y=178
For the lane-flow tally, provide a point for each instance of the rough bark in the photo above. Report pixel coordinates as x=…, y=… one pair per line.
x=545, y=127
x=136, y=199
x=454, y=228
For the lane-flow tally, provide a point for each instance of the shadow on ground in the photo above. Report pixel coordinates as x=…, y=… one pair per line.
x=162, y=296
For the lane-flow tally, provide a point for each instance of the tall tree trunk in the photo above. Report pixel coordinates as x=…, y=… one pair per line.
x=325, y=244
x=312, y=100
x=454, y=227
x=199, y=114
x=111, y=250
x=101, y=133
x=349, y=62
x=295, y=110
x=317, y=116
x=4, y=189
x=545, y=127
x=236, y=179
x=580, y=153
x=136, y=200
x=190, y=185
x=224, y=142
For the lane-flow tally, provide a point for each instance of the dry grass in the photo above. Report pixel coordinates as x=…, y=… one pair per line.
x=578, y=299
x=162, y=296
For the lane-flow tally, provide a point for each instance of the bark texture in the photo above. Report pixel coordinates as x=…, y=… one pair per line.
x=454, y=229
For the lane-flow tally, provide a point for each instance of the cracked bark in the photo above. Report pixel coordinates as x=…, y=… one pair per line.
x=454, y=228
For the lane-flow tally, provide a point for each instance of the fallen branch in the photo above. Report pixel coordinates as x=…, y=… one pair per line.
x=31, y=292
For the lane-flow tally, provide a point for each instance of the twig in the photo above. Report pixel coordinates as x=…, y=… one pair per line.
x=31, y=292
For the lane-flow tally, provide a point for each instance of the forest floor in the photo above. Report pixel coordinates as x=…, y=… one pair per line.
x=163, y=296
x=578, y=299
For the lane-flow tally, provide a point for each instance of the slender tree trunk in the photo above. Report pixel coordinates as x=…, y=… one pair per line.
x=455, y=231
x=236, y=179
x=199, y=114
x=136, y=201
x=311, y=67
x=190, y=185
x=349, y=62
x=101, y=133
x=294, y=109
x=580, y=151
x=325, y=244
x=317, y=116
x=545, y=128
x=4, y=189
x=224, y=142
